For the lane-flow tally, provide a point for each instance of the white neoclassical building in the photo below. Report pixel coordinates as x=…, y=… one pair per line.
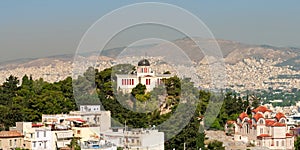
x=144, y=75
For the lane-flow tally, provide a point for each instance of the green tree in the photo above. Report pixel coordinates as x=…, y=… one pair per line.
x=139, y=89
x=8, y=90
x=215, y=145
x=74, y=144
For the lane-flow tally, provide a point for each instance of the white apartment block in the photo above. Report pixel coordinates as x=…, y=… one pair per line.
x=135, y=139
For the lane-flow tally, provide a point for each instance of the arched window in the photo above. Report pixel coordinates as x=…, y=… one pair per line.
x=261, y=121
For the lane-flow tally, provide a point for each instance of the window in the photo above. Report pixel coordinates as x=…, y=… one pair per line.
x=261, y=122
x=261, y=131
x=37, y=134
x=277, y=143
x=44, y=133
x=45, y=144
x=0, y=143
x=148, y=81
x=10, y=143
x=15, y=143
x=132, y=81
x=78, y=131
x=132, y=140
x=115, y=130
x=282, y=143
x=34, y=144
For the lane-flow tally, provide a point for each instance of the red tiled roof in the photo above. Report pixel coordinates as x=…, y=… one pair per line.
x=269, y=122
x=264, y=135
x=230, y=122
x=278, y=124
x=288, y=134
x=262, y=109
x=249, y=121
x=257, y=116
x=243, y=115
x=279, y=116
x=273, y=123
x=8, y=134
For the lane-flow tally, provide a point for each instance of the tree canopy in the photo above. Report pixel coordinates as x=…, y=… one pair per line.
x=28, y=100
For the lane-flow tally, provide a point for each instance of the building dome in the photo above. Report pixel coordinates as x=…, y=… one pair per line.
x=144, y=62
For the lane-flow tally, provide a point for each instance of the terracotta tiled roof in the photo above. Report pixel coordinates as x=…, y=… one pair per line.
x=279, y=116
x=273, y=123
x=230, y=122
x=264, y=135
x=288, y=134
x=243, y=115
x=278, y=124
x=257, y=116
x=8, y=134
x=249, y=121
x=269, y=122
x=262, y=109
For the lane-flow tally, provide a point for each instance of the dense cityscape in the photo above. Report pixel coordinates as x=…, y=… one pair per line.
x=161, y=75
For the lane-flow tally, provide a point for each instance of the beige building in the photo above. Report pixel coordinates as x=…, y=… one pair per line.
x=263, y=129
x=11, y=140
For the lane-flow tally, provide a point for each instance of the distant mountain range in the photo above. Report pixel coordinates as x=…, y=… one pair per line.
x=233, y=52
x=237, y=56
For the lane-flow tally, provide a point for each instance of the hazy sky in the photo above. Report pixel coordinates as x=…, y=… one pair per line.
x=35, y=28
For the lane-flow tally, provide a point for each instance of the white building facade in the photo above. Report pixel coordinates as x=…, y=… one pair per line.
x=135, y=139
x=144, y=75
x=36, y=137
